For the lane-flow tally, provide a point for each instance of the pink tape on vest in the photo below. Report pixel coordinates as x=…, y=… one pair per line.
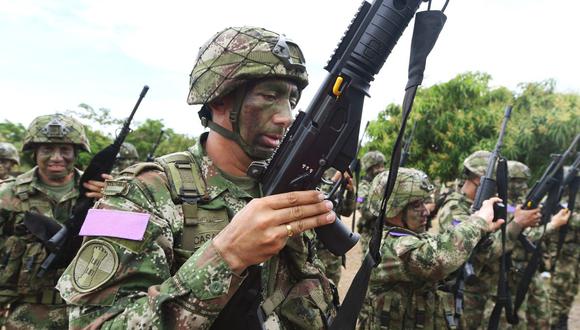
x=114, y=223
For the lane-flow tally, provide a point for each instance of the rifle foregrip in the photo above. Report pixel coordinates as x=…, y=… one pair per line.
x=337, y=237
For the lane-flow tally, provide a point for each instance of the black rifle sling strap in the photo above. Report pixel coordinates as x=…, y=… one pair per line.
x=428, y=25
x=503, y=299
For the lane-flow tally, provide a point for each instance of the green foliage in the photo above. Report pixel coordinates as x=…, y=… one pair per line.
x=146, y=134
x=14, y=133
x=463, y=115
x=98, y=140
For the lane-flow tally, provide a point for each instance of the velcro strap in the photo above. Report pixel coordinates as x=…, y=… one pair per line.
x=269, y=304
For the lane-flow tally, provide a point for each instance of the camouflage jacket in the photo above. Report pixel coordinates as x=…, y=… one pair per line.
x=403, y=291
x=365, y=221
x=455, y=210
x=21, y=250
x=173, y=277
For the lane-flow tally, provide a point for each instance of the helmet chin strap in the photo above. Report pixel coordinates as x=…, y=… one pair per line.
x=252, y=151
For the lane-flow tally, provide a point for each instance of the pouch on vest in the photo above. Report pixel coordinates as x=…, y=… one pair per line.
x=10, y=261
x=32, y=258
x=201, y=225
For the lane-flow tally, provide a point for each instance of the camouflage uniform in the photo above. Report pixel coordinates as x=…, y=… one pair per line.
x=332, y=263
x=7, y=153
x=127, y=156
x=566, y=275
x=366, y=220
x=172, y=276
x=404, y=290
x=455, y=210
x=29, y=302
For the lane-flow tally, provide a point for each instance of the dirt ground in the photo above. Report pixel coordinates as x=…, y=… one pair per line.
x=354, y=258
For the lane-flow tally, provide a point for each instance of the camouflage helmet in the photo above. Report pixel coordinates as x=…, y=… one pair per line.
x=8, y=151
x=518, y=170
x=476, y=163
x=237, y=55
x=411, y=185
x=56, y=128
x=567, y=170
x=127, y=151
x=371, y=159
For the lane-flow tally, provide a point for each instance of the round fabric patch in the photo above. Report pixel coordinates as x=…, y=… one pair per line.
x=94, y=265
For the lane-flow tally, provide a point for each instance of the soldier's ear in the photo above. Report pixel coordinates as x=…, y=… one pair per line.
x=220, y=109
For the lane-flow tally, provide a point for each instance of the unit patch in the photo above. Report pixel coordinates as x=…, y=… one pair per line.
x=95, y=264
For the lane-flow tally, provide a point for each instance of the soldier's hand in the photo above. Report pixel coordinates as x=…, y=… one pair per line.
x=527, y=218
x=561, y=218
x=262, y=228
x=338, y=176
x=486, y=212
x=95, y=188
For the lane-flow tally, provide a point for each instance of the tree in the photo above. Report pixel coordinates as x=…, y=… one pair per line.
x=463, y=115
x=145, y=136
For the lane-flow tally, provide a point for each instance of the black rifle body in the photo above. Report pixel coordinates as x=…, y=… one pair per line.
x=326, y=134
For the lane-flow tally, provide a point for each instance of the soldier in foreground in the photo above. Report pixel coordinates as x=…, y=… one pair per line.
x=8, y=158
x=127, y=156
x=50, y=188
x=194, y=260
x=373, y=163
x=403, y=291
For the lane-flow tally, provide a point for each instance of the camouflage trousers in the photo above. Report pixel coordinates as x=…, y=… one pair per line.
x=332, y=264
x=564, y=286
x=473, y=310
x=34, y=316
x=534, y=313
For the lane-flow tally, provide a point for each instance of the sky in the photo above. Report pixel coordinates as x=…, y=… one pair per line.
x=56, y=54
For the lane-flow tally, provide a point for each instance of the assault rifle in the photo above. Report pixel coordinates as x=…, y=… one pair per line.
x=326, y=134
x=407, y=146
x=548, y=185
x=63, y=240
x=151, y=154
x=488, y=188
x=572, y=181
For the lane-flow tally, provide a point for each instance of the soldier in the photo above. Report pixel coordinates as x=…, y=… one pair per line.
x=373, y=163
x=50, y=188
x=208, y=251
x=345, y=207
x=403, y=291
x=566, y=268
x=127, y=156
x=8, y=158
x=455, y=209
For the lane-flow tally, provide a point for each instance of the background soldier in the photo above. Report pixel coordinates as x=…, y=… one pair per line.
x=8, y=158
x=403, y=291
x=194, y=263
x=127, y=156
x=565, y=275
x=50, y=188
x=373, y=163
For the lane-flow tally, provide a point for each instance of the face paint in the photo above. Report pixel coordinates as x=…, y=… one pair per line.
x=517, y=188
x=55, y=161
x=266, y=114
x=5, y=168
x=415, y=216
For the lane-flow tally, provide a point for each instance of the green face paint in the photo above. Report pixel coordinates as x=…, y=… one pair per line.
x=266, y=113
x=416, y=214
x=5, y=168
x=55, y=161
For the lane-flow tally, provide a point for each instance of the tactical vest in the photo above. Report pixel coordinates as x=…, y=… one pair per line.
x=22, y=254
x=247, y=309
x=202, y=221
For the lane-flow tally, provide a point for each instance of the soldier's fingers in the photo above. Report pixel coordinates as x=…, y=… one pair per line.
x=91, y=186
x=299, y=212
x=106, y=176
x=336, y=176
x=497, y=224
x=293, y=198
x=297, y=227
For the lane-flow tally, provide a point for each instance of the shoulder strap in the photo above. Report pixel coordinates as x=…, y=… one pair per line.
x=22, y=187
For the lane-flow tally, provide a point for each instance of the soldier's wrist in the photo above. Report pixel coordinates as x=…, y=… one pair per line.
x=236, y=264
